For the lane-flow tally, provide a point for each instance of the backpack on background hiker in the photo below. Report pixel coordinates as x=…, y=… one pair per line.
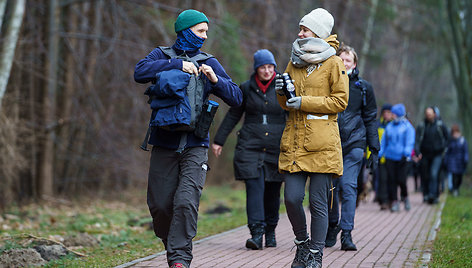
x=177, y=100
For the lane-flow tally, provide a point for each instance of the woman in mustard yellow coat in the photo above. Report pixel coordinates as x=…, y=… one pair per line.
x=311, y=145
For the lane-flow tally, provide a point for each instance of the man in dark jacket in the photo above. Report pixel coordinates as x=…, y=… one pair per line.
x=431, y=141
x=176, y=178
x=358, y=129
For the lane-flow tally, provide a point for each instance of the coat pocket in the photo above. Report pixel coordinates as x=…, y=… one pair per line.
x=321, y=135
x=285, y=141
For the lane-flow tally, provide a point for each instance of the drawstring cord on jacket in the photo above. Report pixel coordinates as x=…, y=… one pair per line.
x=332, y=195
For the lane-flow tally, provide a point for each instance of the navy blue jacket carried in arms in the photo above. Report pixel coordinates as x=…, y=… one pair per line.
x=155, y=62
x=357, y=124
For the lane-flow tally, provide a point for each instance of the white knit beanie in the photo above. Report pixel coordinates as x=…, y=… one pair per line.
x=319, y=21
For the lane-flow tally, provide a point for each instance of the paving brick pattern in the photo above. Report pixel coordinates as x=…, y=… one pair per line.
x=383, y=239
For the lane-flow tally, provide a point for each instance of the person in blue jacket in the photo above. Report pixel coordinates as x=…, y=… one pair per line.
x=397, y=145
x=176, y=178
x=456, y=158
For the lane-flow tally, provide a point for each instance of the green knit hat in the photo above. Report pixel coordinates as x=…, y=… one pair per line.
x=189, y=18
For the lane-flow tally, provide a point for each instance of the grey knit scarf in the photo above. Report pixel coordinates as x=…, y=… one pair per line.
x=310, y=51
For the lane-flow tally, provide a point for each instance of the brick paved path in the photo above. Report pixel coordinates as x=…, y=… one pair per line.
x=383, y=239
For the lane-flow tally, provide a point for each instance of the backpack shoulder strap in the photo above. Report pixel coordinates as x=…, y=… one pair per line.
x=362, y=85
x=439, y=125
x=168, y=51
x=421, y=127
x=201, y=57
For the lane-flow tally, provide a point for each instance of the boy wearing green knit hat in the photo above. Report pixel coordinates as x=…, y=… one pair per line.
x=178, y=163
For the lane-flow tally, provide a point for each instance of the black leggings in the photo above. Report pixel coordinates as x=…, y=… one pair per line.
x=397, y=173
x=456, y=181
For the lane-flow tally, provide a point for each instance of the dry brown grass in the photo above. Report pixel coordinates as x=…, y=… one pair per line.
x=11, y=160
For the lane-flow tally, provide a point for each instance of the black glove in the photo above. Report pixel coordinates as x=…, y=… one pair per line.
x=404, y=160
x=279, y=84
x=373, y=161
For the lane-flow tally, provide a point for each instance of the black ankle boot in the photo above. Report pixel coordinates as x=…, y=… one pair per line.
x=270, y=236
x=346, y=241
x=301, y=256
x=332, y=235
x=257, y=231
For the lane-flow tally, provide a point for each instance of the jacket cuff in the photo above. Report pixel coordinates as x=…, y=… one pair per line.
x=176, y=63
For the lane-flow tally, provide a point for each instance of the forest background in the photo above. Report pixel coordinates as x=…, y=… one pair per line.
x=72, y=118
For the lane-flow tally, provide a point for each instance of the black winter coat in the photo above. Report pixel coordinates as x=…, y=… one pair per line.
x=431, y=138
x=357, y=124
x=258, y=144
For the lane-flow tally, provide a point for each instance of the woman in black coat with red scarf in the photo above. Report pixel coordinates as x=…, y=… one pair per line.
x=257, y=150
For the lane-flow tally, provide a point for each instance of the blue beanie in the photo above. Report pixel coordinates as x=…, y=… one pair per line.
x=399, y=109
x=386, y=107
x=263, y=56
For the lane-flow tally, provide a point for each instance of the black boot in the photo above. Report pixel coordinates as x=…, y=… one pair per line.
x=270, y=241
x=332, y=235
x=164, y=241
x=257, y=231
x=346, y=241
x=315, y=259
x=301, y=256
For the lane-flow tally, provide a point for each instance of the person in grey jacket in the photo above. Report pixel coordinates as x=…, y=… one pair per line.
x=257, y=149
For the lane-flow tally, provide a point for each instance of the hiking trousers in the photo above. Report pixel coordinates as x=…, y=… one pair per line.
x=175, y=185
x=318, y=197
x=397, y=174
x=346, y=189
x=262, y=200
x=430, y=166
x=382, y=184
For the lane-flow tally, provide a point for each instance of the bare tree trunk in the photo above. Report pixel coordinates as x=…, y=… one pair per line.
x=29, y=177
x=342, y=23
x=94, y=51
x=65, y=105
x=91, y=72
x=46, y=165
x=460, y=59
x=368, y=35
x=7, y=165
x=3, y=5
x=76, y=142
x=11, y=38
x=405, y=18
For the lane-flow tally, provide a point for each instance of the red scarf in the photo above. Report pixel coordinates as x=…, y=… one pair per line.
x=261, y=85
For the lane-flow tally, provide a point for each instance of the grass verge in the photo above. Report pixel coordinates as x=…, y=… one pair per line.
x=453, y=244
x=122, y=227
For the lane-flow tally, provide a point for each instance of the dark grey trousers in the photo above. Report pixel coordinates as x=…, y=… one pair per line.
x=318, y=197
x=175, y=185
x=262, y=200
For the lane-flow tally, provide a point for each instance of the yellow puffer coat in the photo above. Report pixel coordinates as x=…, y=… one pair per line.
x=311, y=140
